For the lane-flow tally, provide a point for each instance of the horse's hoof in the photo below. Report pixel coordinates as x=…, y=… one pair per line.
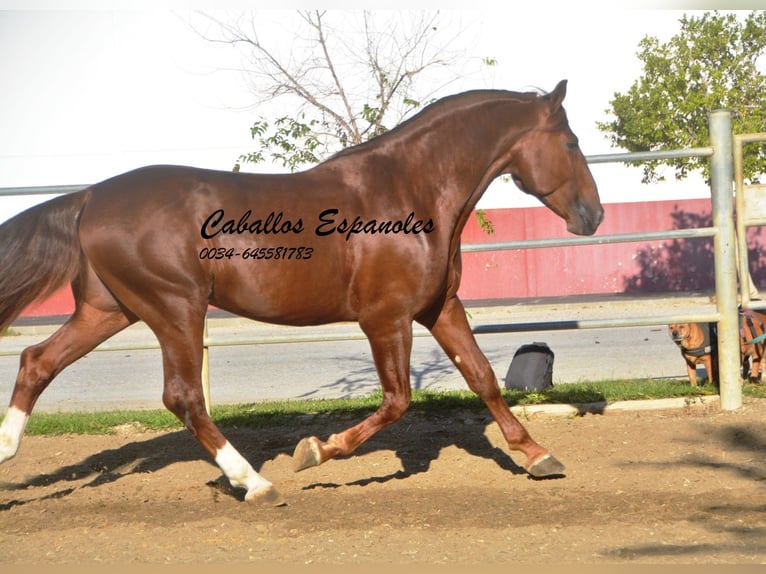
x=268, y=496
x=546, y=466
x=306, y=454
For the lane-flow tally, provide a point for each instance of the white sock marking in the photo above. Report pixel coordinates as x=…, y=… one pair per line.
x=11, y=431
x=238, y=470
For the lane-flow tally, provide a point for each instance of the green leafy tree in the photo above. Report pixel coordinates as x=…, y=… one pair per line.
x=716, y=61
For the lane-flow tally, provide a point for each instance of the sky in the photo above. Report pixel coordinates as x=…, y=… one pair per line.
x=89, y=94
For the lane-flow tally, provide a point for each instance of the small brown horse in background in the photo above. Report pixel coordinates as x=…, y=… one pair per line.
x=371, y=235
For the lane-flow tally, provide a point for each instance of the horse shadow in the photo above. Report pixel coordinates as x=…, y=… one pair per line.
x=417, y=457
x=147, y=456
x=107, y=466
x=462, y=429
x=417, y=453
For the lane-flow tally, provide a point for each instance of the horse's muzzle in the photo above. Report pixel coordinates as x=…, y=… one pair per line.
x=586, y=221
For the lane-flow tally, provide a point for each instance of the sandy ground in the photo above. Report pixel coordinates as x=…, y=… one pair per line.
x=681, y=486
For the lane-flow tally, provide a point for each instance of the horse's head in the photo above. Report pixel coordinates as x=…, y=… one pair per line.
x=546, y=162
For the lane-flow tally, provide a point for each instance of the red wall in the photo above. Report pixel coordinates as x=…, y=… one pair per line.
x=614, y=268
x=622, y=267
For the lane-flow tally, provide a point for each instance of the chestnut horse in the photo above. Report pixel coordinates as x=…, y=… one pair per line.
x=371, y=235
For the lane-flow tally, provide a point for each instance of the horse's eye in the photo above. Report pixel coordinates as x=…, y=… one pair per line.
x=572, y=146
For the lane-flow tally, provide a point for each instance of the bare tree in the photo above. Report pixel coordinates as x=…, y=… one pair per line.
x=345, y=76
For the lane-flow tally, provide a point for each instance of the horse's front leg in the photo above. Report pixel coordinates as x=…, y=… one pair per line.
x=452, y=331
x=391, y=345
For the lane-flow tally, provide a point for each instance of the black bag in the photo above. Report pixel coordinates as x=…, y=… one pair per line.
x=531, y=368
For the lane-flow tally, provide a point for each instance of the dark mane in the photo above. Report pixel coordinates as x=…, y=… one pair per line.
x=446, y=105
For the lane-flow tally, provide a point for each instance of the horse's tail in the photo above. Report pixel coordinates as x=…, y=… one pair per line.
x=39, y=253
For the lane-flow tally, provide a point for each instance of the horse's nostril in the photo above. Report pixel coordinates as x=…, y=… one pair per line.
x=599, y=217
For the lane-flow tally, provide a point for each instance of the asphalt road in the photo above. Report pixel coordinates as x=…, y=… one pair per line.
x=342, y=368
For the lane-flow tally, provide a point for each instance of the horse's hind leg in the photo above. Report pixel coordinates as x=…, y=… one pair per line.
x=180, y=334
x=40, y=364
x=453, y=333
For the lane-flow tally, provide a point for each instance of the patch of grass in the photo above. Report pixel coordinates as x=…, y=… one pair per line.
x=756, y=391
x=297, y=412
x=611, y=391
x=99, y=422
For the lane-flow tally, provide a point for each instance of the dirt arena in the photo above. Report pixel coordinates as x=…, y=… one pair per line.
x=681, y=486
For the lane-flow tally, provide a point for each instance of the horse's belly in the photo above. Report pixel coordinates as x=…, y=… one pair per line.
x=287, y=296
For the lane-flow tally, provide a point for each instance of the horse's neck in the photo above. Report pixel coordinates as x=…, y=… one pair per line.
x=456, y=168
x=448, y=170
x=445, y=161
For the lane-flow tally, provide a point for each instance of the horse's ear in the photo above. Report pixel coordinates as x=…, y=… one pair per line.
x=557, y=95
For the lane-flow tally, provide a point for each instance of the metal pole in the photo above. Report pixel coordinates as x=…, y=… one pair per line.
x=721, y=178
x=206, y=368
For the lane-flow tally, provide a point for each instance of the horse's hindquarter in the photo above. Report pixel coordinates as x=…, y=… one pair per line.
x=288, y=249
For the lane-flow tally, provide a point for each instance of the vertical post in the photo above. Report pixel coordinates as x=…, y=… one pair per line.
x=721, y=178
x=743, y=265
x=206, y=368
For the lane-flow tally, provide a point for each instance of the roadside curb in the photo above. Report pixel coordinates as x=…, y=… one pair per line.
x=603, y=408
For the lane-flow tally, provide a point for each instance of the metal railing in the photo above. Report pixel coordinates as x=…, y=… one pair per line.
x=750, y=211
x=722, y=160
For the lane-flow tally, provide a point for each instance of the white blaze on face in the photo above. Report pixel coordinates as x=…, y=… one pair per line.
x=238, y=470
x=11, y=431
